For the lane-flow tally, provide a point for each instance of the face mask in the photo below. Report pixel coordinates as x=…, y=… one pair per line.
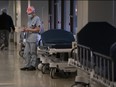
x=30, y=16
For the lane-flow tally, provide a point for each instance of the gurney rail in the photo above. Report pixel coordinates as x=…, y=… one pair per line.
x=99, y=67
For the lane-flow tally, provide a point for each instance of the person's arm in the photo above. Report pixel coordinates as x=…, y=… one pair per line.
x=11, y=23
x=36, y=29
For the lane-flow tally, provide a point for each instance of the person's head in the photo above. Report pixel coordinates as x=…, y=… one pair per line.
x=4, y=10
x=30, y=11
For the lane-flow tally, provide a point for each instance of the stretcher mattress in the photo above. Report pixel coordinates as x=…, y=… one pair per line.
x=57, y=38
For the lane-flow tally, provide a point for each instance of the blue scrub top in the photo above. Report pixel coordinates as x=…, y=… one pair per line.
x=32, y=23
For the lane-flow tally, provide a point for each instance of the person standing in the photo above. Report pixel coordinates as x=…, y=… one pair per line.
x=6, y=26
x=32, y=31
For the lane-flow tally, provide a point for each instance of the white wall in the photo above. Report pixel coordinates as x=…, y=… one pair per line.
x=4, y=4
x=94, y=11
x=24, y=17
x=41, y=7
x=100, y=11
x=82, y=14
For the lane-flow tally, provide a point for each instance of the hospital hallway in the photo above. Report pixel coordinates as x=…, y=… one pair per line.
x=12, y=76
x=75, y=40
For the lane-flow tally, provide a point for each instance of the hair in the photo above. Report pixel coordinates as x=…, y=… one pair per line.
x=4, y=10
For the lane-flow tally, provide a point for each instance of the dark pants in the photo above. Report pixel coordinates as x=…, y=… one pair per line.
x=4, y=37
x=7, y=38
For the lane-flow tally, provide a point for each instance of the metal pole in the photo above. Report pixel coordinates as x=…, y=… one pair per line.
x=29, y=3
x=42, y=13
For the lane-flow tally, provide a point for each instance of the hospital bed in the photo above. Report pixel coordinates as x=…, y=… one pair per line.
x=55, y=51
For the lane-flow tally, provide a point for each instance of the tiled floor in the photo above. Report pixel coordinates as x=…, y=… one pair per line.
x=11, y=76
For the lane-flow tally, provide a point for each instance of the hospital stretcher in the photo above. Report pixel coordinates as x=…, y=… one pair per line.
x=55, y=42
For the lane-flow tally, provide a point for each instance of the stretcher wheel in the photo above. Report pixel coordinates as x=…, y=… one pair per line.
x=40, y=65
x=64, y=74
x=53, y=72
x=44, y=68
x=21, y=53
x=74, y=85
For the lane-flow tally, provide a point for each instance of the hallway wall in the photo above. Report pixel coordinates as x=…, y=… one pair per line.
x=24, y=17
x=3, y=4
x=89, y=11
x=100, y=11
x=41, y=7
x=82, y=14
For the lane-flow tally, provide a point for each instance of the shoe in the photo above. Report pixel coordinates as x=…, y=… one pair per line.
x=31, y=68
x=24, y=68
